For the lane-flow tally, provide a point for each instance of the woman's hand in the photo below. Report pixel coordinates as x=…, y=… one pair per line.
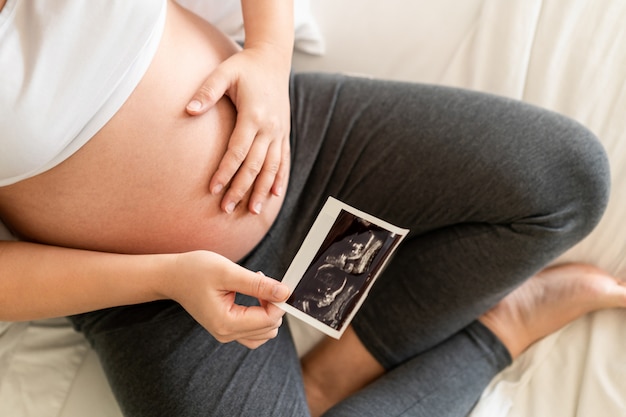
x=257, y=81
x=205, y=284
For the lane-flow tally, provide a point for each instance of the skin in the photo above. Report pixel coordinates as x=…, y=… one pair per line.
x=203, y=160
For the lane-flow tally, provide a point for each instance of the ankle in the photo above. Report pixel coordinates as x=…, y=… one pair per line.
x=314, y=387
x=548, y=301
x=335, y=369
x=515, y=340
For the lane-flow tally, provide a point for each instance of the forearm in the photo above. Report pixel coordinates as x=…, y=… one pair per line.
x=38, y=281
x=269, y=23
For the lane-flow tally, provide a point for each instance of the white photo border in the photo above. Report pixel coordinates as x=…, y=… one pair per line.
x=310, y=248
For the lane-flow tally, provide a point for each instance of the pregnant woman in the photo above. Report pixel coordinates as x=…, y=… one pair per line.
x=150, y=169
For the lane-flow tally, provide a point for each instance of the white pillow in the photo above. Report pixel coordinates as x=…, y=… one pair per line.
x=227, y=16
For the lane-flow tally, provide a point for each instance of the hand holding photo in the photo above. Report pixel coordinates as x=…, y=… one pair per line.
x=339, y=260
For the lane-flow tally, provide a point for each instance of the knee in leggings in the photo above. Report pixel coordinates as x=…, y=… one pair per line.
x=581, y=184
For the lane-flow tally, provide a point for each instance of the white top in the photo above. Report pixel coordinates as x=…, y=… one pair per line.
x=66, y=67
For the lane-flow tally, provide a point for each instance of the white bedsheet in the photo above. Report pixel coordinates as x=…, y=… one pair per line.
x=578, y=371
x=38, y=366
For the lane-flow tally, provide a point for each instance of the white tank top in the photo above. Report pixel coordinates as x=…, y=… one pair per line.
x=66, y=67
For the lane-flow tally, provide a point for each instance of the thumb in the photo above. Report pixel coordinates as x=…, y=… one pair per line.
x=261, y=287
x=209, y=93
x=271, y=290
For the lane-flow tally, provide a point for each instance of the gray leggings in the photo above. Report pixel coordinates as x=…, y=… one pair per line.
x=492, y=190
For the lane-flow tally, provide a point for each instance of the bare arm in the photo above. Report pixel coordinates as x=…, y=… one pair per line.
x=270, y=22
x=38, y=281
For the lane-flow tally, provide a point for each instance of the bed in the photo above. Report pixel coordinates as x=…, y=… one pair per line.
x=566, y=55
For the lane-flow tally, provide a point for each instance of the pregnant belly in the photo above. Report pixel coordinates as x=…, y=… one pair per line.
x=141, y=185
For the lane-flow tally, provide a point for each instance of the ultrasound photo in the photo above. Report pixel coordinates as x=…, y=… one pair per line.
x=337, y=264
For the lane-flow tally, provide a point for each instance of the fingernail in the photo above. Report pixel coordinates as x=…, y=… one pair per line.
x=257, y=208
x=230, y=207
x=194, y=105
x=280, y=292
x=217, y=189
x=279, y=191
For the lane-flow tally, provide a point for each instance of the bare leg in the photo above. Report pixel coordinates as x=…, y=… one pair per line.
x=334, y=369
x=546, y=302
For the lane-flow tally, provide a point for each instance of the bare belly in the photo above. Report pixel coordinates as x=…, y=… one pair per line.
x=141, y=184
